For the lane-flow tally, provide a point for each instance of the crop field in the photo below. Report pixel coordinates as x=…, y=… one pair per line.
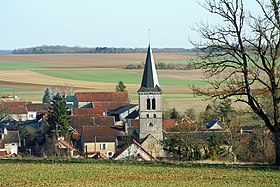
x=29, y=75
x=95, y=173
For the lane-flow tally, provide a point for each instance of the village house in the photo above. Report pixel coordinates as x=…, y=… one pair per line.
x=99, y=139
x=11, y=141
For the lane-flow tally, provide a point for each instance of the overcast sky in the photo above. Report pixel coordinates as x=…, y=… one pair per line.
x=94, y=23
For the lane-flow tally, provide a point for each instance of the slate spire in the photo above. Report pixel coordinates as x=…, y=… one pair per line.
x=149, y=79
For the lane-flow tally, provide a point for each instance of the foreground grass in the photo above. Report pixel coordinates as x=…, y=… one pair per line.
x=93, y=173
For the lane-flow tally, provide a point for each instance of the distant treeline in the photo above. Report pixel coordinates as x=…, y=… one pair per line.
x=163, y=65
x=64, y=49
x=6, y=51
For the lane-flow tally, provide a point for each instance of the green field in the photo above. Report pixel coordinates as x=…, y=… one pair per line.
x=113, y=76
x=24, y=65
x=94, y=173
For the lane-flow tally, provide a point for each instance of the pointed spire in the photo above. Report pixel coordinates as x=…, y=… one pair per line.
x=150, y=79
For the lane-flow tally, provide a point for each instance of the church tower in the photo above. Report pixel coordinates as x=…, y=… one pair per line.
x=150, y=101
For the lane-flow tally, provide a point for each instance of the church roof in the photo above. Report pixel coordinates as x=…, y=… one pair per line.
x=150, y=80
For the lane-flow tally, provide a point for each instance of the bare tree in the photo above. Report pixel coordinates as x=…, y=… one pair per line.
x=242, y=54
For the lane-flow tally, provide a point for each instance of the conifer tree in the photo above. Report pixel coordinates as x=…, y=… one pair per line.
x=120, y=87
x=47, y=97
x=59, y=118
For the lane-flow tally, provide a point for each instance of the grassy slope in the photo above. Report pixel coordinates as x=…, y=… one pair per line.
x=135, y=174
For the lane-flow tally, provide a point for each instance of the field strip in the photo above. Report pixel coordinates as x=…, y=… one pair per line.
x=30, y=77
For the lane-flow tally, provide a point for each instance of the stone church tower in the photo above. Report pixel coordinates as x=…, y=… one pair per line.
x=150, y=101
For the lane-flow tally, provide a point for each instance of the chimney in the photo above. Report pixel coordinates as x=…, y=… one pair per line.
x=125, y=128
x=5, y=131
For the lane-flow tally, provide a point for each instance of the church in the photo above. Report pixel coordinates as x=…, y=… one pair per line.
x=150, y=145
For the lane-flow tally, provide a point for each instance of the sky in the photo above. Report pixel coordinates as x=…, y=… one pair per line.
x=99, y=23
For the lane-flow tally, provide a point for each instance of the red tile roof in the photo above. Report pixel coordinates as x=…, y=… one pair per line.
x=102, y=96
x=93, y=111
x=15, y=104
x=16, y=107
x=100, y=134
x=109, y=105
x=168, y=124
x=77, y=121
x=3, y=153
x=38, y=107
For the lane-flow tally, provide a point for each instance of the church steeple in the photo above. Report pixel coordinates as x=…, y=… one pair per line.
x=150, y=79
x=150, y=101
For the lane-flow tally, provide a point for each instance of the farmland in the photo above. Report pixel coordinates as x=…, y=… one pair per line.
x=95, y=173
x=29, y=75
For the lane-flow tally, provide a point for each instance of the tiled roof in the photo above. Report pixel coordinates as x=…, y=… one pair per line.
x=104, y=120
x=110, y=105
x=77, y=121
x=100, y=133
x=3, y=153
x=16, y=107
x=15, y=104
x=93, y=111
x=11, y=137
x=102, y=96
x=38, y=107
x=168, y=124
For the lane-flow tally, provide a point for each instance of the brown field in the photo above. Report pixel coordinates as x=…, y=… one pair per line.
x=91, y=60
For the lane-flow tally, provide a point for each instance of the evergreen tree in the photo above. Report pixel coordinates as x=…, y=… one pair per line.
x=59, y=119
x=174, y=114
x=47, y=97
x=120, y=87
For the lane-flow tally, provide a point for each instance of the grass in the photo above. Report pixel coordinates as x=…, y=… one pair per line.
x=24, y=65
x=113, y=76
x=96, y=173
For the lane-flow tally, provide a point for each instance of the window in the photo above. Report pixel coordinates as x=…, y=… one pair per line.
x=103, y=146
x=147, y=115
x=153, y=103
x=148, y=104
x=155, y=115
x=151, y=124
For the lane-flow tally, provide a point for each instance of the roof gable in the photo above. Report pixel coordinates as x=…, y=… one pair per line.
x=135, y=151
x=214, y=124
x=11, y=137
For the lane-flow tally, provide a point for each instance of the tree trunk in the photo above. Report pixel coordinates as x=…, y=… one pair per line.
x=277, y=147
